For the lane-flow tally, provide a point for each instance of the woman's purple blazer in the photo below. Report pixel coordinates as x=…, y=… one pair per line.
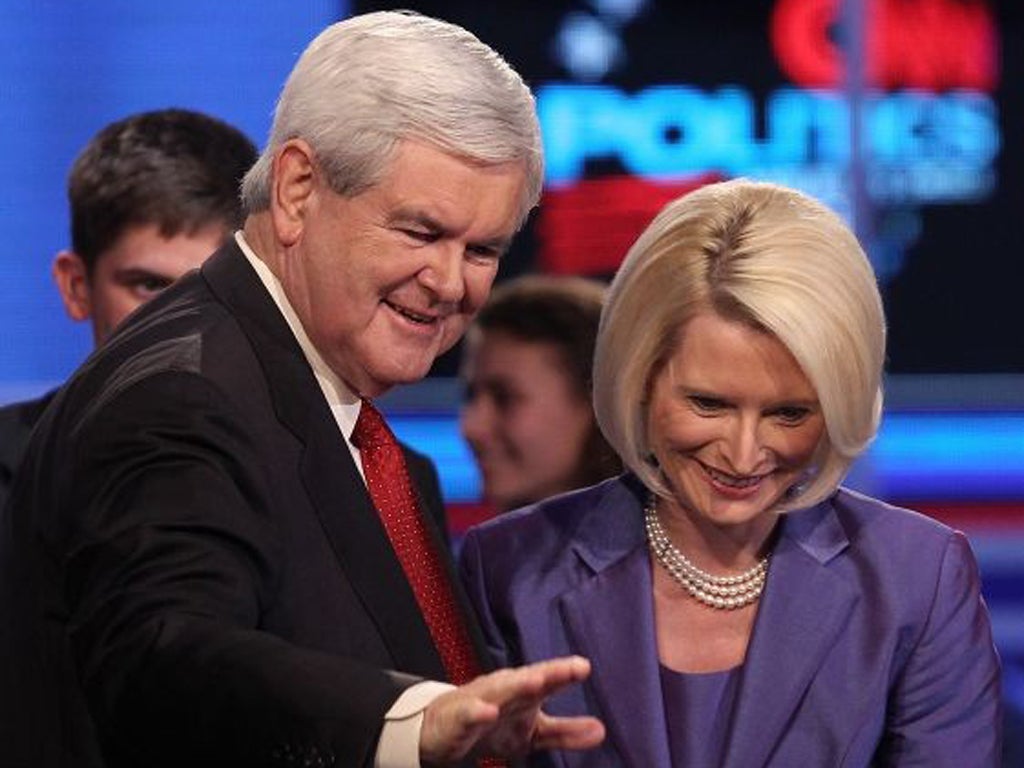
x=872, y=645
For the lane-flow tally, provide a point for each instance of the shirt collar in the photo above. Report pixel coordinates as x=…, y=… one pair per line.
x=343, y=401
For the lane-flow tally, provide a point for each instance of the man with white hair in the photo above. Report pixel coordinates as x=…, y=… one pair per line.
x=217, y=553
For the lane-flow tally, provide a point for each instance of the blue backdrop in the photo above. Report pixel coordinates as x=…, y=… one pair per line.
x=69, y=68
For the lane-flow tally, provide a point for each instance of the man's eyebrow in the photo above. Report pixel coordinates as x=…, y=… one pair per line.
x=499, y=243
x=421, y=218
x=142, y=273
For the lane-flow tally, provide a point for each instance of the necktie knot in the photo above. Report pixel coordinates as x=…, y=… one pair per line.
x=371, y=431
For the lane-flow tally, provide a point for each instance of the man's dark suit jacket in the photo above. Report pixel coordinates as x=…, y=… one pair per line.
x=16, y=423
x=193, y=573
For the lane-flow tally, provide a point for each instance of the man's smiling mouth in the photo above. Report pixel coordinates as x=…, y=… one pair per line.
x=412, y=316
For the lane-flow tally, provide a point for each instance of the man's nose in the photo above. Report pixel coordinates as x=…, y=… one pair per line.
x=443, y=276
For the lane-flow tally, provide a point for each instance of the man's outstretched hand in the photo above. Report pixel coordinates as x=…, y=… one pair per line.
x=500, y=714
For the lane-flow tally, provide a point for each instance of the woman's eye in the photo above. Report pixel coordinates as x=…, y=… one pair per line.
x=792, y=415
x=705, y=404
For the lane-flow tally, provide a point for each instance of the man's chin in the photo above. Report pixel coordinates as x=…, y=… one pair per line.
x=384, y=380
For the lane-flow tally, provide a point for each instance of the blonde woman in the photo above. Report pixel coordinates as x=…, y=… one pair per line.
x=738, y=606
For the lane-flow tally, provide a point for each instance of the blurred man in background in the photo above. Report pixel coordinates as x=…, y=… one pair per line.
x=151, y=196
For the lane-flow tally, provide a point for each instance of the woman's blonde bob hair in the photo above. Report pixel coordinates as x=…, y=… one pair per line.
x=765, y=255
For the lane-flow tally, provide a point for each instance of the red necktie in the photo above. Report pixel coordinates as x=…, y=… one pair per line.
x=387, y=479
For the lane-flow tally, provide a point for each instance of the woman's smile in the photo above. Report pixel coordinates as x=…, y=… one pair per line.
x=731, y=447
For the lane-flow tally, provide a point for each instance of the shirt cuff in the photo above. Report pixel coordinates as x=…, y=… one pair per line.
x=399, y=744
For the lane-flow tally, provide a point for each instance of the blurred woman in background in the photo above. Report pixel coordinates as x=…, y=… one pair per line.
x=527, y=412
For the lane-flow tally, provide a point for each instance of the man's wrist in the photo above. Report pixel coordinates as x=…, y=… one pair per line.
x=399, y=744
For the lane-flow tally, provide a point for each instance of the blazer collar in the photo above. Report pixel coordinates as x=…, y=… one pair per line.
x=614, y=526
x=610, y=618
x=329, y=474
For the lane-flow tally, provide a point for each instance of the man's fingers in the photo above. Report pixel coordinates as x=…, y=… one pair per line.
x=452, y=724
x=531, y=684
x=564, y=670
x=567, y=732
x=500, y=713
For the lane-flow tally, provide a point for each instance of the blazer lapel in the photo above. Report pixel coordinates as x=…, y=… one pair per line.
x=329, y=474
x=610, y=619
x=802, y=612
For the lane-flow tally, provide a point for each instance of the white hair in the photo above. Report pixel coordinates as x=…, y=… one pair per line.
x=370, y=81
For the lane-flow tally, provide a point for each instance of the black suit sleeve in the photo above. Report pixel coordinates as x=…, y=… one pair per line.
x=173, y=546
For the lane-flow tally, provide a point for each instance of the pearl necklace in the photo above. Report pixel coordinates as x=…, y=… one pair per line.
x=722, y=592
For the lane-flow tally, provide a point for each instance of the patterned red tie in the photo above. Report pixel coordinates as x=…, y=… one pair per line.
x=387, y=479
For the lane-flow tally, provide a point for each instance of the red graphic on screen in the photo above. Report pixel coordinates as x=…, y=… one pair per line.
x=932, y=45
x=587, y=228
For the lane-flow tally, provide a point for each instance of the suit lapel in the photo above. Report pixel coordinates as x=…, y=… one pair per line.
x=328, y=472
x=803, y=610
x=610, y=619
x=362, y=546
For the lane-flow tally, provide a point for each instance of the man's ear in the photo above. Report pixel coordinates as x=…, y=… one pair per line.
x=72, y=278
x=294, y=182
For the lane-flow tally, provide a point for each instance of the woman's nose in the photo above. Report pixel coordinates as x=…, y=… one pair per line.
x=742, y=448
